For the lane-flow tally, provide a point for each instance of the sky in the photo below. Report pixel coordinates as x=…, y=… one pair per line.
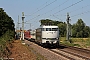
x=35, y=10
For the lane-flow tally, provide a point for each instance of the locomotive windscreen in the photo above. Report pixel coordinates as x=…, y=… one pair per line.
x=50, y=29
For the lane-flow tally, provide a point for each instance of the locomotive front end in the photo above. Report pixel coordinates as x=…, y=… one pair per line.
x=50, y=35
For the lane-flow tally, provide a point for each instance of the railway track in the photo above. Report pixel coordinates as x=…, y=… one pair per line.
x=72, y=53
x=69, y=53
x=77, y=49
x=66, y=55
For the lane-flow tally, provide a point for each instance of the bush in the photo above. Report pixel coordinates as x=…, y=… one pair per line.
x=7, y=38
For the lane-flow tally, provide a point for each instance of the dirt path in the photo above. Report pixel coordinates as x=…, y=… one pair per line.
x=21, y=52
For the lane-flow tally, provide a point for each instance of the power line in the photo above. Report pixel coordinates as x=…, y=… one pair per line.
x=81, y=13
x=56, y=17
x=56, y=7
x=69, y=6
x=51, y=9
x=39, y=7
x=75, y=11
x=66, y=7
x=80, y=8
x=44, y=7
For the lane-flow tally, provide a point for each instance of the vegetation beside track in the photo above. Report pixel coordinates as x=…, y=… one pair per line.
x=77, y=42
x=7, y=33
x=21, y=51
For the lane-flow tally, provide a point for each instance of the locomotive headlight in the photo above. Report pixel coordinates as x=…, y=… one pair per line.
x=57, y=38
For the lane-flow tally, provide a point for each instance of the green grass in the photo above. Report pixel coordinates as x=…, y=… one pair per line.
x=78, y=42
x=4, y=40
x=88, y=42
x=65, y=42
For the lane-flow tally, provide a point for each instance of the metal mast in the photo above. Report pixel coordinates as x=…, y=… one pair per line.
x=17, y=27
x=18, y=22
x=68, y=33
x=23, y=25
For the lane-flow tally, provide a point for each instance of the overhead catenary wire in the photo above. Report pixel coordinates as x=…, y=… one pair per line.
x=68, y=6
x=81, y=13
x=43, y=7
x=56, y=16
x=50, y=10
x=79, y=9
x=83, y=7
x=56, y=7
x=76, y=10
x=47, y=5
x=60, y=10
x=38, y=8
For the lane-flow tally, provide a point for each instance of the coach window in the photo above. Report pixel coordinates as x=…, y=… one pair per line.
x=54, y=29
x=43, y=29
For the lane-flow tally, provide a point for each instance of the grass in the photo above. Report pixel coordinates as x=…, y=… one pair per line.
x=4, y=40
x=2, y=44
x=87, y=42
x=77, y=42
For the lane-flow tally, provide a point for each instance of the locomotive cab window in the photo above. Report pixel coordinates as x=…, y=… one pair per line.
x=54, y=29
x=48, y=29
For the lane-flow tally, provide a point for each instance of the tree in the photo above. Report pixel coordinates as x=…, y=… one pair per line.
x=46, y=22
x=49, y=22
x=86, y=31
x=6, y=23
x=61, y=25
x=80, y=29
x=7, y=32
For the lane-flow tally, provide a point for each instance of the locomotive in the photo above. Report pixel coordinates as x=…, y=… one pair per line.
x=46, y=35
x=27, y=35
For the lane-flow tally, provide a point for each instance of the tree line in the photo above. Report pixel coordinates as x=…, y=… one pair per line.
x=6, y=23
x=78, y=30
x=7, y=32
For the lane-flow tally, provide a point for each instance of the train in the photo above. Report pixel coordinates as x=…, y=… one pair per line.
x=27, y=35
x=45, y=35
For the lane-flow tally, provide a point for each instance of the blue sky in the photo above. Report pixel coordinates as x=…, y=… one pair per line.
x=36, y=10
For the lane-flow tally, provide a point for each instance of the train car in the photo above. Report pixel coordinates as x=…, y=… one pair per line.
x=27, y=35
x=47, y=35
x=33, y=35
